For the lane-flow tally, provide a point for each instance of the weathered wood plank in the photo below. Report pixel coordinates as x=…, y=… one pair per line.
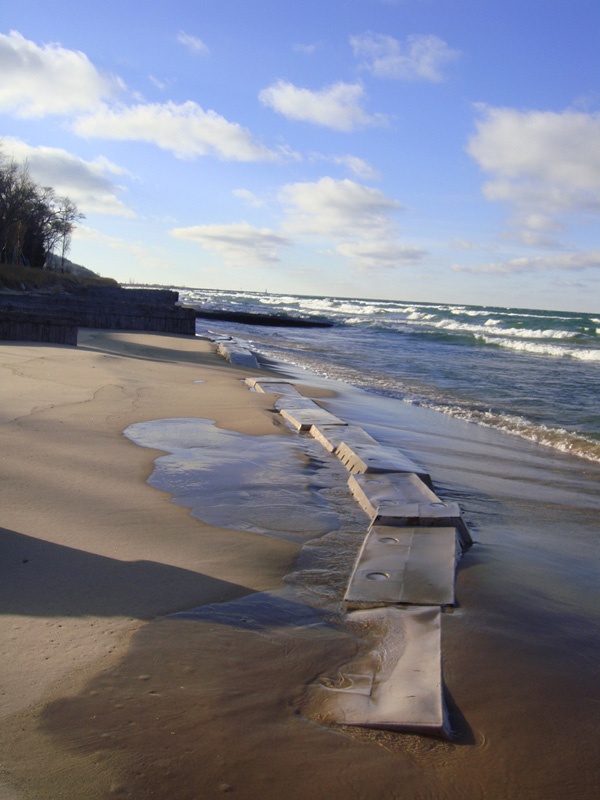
x=24, y=326
x=111, y=307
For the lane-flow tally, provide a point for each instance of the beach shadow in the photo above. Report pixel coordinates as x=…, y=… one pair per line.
x=43, y=579
x=108, y=345
x=461, y=733
x=258, y=612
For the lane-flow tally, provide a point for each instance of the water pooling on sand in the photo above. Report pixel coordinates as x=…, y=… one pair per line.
x=284, y=486
x=291, y=488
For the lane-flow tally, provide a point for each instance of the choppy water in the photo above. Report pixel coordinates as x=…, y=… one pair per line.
x=535, y=374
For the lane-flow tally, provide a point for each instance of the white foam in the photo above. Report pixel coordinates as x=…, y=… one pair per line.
x=554, y=350
x=557, y=438
x=493, y=327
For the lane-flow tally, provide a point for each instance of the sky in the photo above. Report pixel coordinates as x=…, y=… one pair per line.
x=422, y=150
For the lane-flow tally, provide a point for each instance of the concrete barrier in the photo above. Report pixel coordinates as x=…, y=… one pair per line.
x=272, y=386
x=378, y=458
x=332, y=436
x=236, y=354
x=403, y=575
x=376, y=492
x=302, y=419
x=404, y=565
x=294, y=401
x=401, y=689
x=404, y=499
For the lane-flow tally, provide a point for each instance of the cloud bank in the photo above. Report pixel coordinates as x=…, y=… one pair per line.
x=571, y=262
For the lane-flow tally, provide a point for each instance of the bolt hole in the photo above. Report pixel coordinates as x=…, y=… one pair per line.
x=377, y=576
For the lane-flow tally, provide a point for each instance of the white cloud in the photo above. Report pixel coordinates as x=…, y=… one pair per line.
x=352, y=219
x=306, y=49
x=380, y=254
x=362, y=169
x=248, y=197
x=186, y=130
x=463, y=244
x=544, y=164
x=357, y=219
x=146, y=257
x=564, y=261
x=468, y=245
x=39, y=81
x=158, y=83
x=240, y=244
x=342, y=209
x=538, y=230
x=87, y=183
x=337, y=106
x=556, y=147
x=535, y=239
x=419, y=58
x=192, y=43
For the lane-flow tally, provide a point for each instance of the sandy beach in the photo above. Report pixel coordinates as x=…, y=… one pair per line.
x=105, y=694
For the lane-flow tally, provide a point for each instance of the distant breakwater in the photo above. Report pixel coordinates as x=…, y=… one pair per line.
x=252, y=318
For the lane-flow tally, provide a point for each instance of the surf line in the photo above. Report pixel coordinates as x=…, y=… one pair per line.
x=403, y=577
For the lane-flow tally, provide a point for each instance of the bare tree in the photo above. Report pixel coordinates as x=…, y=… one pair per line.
x=17, y=198
x=66, y=216
x=33, y=220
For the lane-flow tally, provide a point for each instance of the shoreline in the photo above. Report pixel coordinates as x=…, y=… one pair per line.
x=95, y=644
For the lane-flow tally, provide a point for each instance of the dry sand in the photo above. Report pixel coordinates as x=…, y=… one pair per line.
x=89, y=551
x=103, y=695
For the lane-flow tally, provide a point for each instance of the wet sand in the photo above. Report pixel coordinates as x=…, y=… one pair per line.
x=104, y=695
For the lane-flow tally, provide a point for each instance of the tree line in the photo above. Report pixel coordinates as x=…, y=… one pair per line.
x=35, y=223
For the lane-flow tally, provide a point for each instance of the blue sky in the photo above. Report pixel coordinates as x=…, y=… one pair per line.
x=433, y=150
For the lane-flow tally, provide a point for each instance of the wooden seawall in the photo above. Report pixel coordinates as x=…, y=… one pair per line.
x=37, y=317
x=26, y=326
